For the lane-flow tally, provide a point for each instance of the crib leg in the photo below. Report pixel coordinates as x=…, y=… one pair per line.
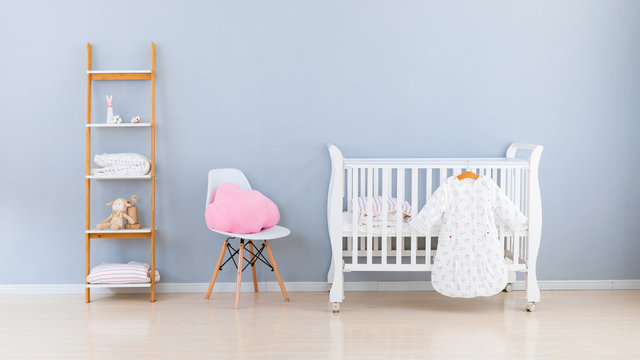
x=337, y=287
x=531, y=284
x=330, y=274
x=510, y=281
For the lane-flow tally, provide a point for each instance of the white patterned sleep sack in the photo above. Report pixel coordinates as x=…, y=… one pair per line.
x=469, y=260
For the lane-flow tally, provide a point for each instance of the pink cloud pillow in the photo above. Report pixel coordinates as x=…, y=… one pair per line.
x=234, y=210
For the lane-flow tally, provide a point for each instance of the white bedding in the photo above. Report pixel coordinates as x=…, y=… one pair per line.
x=406, y=228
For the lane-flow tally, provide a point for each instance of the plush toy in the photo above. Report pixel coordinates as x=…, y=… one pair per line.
x=118, y=212
x=136, y=119
x=109, y=109
x=117, y=119
x=132, y=211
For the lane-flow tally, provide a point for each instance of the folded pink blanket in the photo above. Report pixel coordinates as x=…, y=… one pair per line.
x=234, y=210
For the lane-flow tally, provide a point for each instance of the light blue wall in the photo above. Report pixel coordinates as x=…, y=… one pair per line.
x=263, y=85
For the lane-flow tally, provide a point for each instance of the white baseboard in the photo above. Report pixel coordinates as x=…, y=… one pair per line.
x=311, y=286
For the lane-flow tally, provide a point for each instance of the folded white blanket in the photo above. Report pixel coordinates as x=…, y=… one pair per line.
x=121, y=164
x=377, y=220
x=131, y=273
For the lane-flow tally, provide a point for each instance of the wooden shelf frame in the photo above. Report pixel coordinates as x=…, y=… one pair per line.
x=150, y=232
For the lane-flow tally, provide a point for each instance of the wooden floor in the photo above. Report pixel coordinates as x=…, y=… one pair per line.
x=372, y=325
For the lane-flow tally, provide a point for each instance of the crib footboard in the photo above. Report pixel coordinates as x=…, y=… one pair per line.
x=398, y=188
x=334, y=219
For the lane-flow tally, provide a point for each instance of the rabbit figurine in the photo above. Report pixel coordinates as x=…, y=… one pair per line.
x=109, y=110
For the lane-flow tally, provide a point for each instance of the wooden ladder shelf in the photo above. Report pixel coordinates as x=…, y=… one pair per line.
x=146, y=233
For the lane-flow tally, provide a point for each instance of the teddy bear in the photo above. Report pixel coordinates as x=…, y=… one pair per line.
x=118, y=213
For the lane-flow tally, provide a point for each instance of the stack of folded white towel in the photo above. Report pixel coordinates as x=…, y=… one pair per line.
x=376, y=209
x=121, y=164
x=130, y=273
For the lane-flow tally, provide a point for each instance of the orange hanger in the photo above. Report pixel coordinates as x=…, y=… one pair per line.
x=467, y=175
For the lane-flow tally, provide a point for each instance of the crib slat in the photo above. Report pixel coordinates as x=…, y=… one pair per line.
x=362, y=183
x=443, y=175
x=376, y=192
x=354, y=218
x=414, y=212
x=363, y=194
x=376, y=186
x=429, y=184
x=517, y=188
x=386, y=187
x=400, y=197
x=349, y=187
x=525, y=193
x=370, y=177
x=516, y=247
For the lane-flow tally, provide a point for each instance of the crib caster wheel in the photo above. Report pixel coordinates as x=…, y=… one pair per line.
x=508, y=288
x=335, y=307
x=531, y=307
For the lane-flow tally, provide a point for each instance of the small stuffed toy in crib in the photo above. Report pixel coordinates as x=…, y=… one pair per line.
x=118, y=213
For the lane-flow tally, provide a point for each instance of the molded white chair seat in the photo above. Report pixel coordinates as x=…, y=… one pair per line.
x=274, y=232
x=220, y=176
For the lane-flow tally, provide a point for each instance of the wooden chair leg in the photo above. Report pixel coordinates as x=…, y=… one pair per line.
x=253, y=268
x=239, y=276
x=215, y=272
x=275, y=269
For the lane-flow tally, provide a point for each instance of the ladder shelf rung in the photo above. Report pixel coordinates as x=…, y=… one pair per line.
x=119, y=74
x=130, y=177
x=144, y=233
x=121, y=125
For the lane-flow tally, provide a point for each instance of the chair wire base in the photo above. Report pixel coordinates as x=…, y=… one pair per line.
x=258, y=255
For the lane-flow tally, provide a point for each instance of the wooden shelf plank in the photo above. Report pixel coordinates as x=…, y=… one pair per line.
x=118, y=71
x=102, y=177
x=119, y=74
x=123, y=231
x=122, y=125
x=145, y=233
x=136, y=285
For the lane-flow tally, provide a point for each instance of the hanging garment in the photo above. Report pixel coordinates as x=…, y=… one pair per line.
x=469, y=260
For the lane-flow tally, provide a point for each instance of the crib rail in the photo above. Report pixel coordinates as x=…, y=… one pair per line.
x=385, y=242
x=382, y=237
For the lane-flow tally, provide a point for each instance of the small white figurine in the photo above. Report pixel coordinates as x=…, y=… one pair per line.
x=117, y=119
x=109, y=110
x=136, y=119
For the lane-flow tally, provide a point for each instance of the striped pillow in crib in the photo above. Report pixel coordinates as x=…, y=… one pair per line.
x=379, y=203
x=107, y=273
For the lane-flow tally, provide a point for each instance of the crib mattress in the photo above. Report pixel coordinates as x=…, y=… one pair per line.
x=405, y=228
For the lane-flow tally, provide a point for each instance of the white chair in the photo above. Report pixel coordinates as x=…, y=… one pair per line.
x=217, y=177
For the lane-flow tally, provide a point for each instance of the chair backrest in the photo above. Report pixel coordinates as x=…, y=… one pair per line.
x=219, y=176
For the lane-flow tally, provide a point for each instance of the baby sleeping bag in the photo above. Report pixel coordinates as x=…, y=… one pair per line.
x=469, y=260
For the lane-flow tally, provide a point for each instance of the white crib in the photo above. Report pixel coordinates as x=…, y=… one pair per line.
x=360, y=246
